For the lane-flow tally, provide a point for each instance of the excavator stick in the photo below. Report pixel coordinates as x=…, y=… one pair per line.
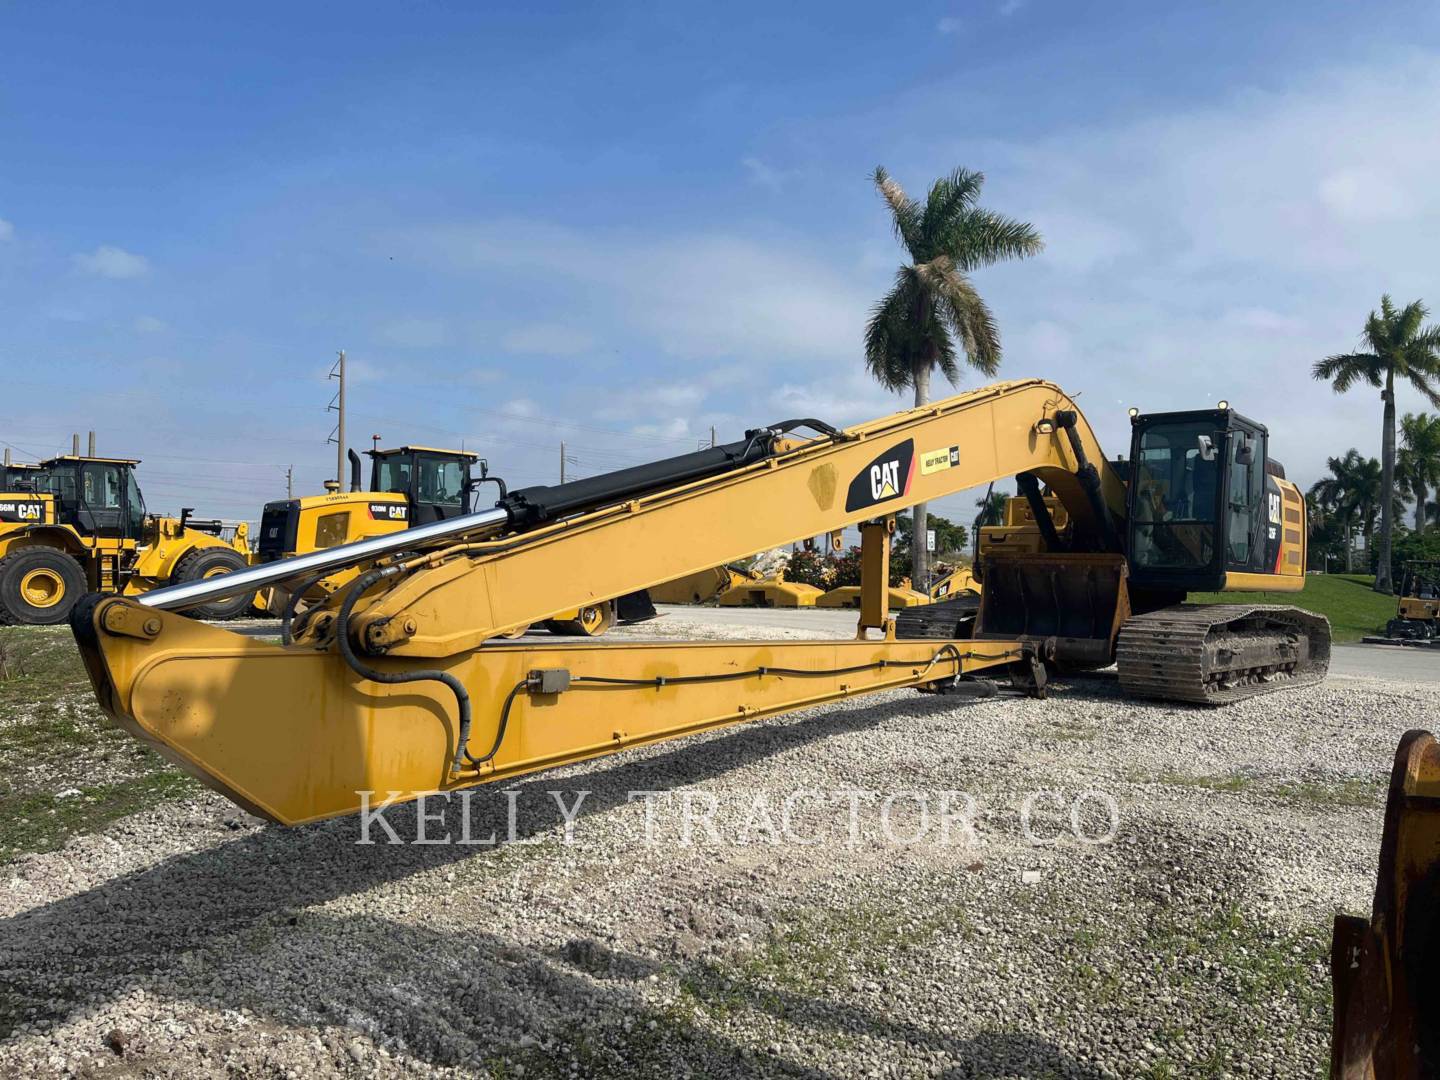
x=1387, y=1001
x=295, y=735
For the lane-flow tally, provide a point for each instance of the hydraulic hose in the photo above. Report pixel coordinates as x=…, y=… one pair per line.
x=291, y=604
x=390, y=678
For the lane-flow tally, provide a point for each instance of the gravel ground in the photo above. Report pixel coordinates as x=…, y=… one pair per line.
x=191, y=940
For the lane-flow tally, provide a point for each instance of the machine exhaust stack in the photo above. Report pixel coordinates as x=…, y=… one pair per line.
x=354, y=471
x=75, y=445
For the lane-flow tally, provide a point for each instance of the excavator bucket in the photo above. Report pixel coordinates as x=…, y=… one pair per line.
x=1387, y=1001
x=1071, y=604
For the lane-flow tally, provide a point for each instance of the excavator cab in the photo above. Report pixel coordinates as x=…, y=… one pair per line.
x=435, y=483
x=1207, y=508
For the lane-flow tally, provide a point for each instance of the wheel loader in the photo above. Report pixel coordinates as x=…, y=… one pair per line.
x=409, y=486
x=76, y=523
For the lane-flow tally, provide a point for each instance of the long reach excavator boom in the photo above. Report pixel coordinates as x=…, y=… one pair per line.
x=399, y=684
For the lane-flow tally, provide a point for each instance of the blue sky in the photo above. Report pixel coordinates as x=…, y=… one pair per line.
x=621, y=225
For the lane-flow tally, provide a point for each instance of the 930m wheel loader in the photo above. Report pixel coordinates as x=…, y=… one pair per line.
x=409, y=486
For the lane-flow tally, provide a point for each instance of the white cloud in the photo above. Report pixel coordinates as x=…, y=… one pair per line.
x=7, y=230
x=1364, y=194
x=149, y=324
x=676, y=427
x=520, y=408
x=763, y=175
x=415, y=333
x=701, y=295
x=548, y=339
x=112, y=262
x=1010, y=7
x=949, y=25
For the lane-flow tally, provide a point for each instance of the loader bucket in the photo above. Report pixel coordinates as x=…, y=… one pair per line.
x=1387, y=1009
x=1072, y=604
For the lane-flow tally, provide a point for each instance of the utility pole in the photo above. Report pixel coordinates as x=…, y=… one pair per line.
x=562, y=461
x=337, y=405
x=712, y=436
x=290, y=482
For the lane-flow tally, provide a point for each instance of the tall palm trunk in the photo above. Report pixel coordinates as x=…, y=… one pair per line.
x=919, y=549
x=1349, y=545
x=1387, y=485
x=1420, y=494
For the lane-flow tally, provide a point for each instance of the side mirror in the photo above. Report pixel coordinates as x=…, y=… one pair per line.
x=1245, y=453
x=1207, y=448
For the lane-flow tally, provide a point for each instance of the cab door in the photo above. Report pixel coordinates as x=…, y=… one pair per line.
x=1245, y=512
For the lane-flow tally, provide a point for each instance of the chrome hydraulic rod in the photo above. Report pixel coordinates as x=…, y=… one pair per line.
x=177, y=597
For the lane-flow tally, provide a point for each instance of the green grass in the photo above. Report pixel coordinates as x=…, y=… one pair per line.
x=1348, y=792
x=65, y=768
x=1347, y=600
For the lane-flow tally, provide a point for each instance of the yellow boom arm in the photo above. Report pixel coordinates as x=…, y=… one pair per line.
x=398, y=688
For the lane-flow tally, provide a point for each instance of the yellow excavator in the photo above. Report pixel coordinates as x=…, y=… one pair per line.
x=396, y=682
x=78, y=522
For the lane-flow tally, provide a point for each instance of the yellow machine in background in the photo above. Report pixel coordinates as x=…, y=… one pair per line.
x=772, y=591
x=961, y=579
x=1417, y=613
x=75, y=523
x=848, y=596
x=409, y=486
x=703, y=586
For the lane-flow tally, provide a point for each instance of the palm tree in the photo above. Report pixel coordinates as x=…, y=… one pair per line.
x=1332, y=495
x=933, y=313
x=1417, y=467
x=1399, y=347
x=1365, y=501
x=992, y=508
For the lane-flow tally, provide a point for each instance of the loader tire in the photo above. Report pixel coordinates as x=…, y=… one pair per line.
x=39, y=586
x=207, y=563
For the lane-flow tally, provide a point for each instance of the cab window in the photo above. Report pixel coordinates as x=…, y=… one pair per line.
x=332, y=530
x=394, y=475
x=1174, y=491
x=101, y=487
x=1247, y=487
x=134, y=507
x=441, y=482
